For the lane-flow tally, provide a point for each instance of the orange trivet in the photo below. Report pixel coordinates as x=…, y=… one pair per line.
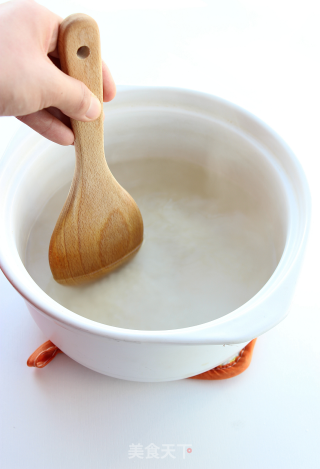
x=47, y=351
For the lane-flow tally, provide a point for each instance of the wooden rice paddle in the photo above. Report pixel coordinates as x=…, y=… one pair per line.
x=100, y=225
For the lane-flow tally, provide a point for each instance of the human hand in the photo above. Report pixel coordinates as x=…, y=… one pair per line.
x=32, y=86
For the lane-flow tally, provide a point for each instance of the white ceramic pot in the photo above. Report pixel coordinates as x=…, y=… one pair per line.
x=194, y=126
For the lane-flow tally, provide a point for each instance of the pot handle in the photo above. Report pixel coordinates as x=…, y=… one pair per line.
x=242, y=325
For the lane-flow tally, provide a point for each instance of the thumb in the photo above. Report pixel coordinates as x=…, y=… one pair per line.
x=69, y=95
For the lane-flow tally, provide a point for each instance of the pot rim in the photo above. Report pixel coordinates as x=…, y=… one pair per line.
x=16, y=273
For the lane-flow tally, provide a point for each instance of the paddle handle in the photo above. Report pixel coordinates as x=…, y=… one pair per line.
x=80, y=57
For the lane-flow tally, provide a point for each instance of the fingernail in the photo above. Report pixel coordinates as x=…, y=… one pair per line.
x=94, y=109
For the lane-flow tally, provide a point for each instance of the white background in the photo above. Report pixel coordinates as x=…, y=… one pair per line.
x=264, y=56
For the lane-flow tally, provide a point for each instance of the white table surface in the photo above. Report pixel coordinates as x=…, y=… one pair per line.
x=264, y=56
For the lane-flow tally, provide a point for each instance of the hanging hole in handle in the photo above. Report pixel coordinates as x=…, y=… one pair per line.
x=83, y=52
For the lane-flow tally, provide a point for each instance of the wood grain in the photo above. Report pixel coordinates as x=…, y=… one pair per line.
x=100, y=225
